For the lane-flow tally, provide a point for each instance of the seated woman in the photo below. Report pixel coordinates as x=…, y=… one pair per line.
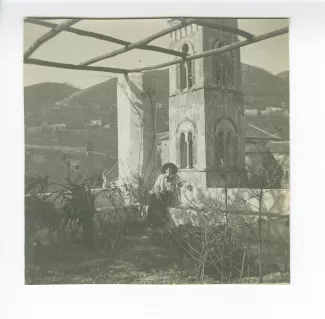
x=165, y=193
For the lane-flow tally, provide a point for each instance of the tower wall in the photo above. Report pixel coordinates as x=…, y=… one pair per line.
x=206, y=104
x=183, y=107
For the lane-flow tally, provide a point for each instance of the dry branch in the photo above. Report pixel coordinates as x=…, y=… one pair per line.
x=217, y=51
x=49, y=35
x=104, y=37
x=75, y=67
x=140, y=43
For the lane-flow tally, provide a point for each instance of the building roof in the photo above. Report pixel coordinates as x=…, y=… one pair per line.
x=280, y=147
x=255, y=148
x=253, y=132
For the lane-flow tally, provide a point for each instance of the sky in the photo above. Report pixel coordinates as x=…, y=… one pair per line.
x=271, y=55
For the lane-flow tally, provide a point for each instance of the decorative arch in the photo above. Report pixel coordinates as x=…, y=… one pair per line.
x=225, y=143
x=186, y=141
x=226, y=119
x=189, y=43
x=186, y=119
x=217, y=43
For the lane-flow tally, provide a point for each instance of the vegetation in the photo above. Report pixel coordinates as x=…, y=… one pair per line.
x=138, y=257
x=117, y=246
x=87, y=247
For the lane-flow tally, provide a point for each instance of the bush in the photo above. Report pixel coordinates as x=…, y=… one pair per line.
x=215, y=251
x=39, y=215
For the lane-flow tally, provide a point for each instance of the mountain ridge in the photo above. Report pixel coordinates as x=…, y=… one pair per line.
x=260, y=88
x=55, y=103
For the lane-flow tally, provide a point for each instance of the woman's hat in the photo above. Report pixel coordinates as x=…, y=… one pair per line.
x=172, y=166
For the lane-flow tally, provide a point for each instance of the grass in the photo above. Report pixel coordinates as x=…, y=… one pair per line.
x=137, y=257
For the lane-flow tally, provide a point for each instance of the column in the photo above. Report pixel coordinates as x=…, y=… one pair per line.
x=136, y=135
x=188, y=153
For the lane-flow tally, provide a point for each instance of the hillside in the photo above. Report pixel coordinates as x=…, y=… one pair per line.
x=98, y=101
x=60, y=103
x=283, y=75
x=262, y=88
x=284, y=86
x=42, y=96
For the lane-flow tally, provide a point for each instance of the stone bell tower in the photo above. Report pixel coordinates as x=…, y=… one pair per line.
x=206, y=108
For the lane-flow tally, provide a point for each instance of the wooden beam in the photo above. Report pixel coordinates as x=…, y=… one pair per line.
x=104, y=37
x=216, y=51
x=140, y=43
x=75, y=67
x=48, y=35
x=159, y=66
x=225, y=28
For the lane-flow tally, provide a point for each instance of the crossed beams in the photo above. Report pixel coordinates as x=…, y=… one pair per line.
x=104, y=37
x=49, y=35
x=141, y=44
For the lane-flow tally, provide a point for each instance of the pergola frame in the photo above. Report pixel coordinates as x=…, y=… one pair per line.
x=142, y=44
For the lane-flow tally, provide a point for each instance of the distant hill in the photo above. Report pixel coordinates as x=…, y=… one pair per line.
x=60, y=103
x=284, y=86
x=261, y=88
x=283, y=75
x=97, y=96
x=95, y=102
x=41, y=96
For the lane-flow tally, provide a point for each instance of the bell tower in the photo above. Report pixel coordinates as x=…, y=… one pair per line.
x=206, y=107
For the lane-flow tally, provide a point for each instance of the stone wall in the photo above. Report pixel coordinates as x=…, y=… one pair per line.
x=198, y=207
x=274, y=201
x=136, y=136
x=189, y=106
x=164, y=151
x=223, y=105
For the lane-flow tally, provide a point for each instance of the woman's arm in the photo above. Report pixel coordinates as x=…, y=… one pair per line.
x=182, y=183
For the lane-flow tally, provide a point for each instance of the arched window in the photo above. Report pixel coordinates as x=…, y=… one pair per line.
x=231, y=154
x=183, y=68
x=229, y=150
x=186, y=144
x=218, y=70
x=222, y=67
x=225, y=144
x=183, y=151
x=185, y=71
x=220, y=152
x=190, y=150
x=234, y=144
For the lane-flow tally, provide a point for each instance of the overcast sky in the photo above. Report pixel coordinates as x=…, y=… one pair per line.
x=271, y=54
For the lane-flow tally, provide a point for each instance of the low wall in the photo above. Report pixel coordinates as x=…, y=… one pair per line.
x=199, y=207
x=242, y=206
x=274, y=201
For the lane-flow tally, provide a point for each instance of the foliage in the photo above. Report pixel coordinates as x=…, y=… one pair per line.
x=72, y=203
x=214, y=248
